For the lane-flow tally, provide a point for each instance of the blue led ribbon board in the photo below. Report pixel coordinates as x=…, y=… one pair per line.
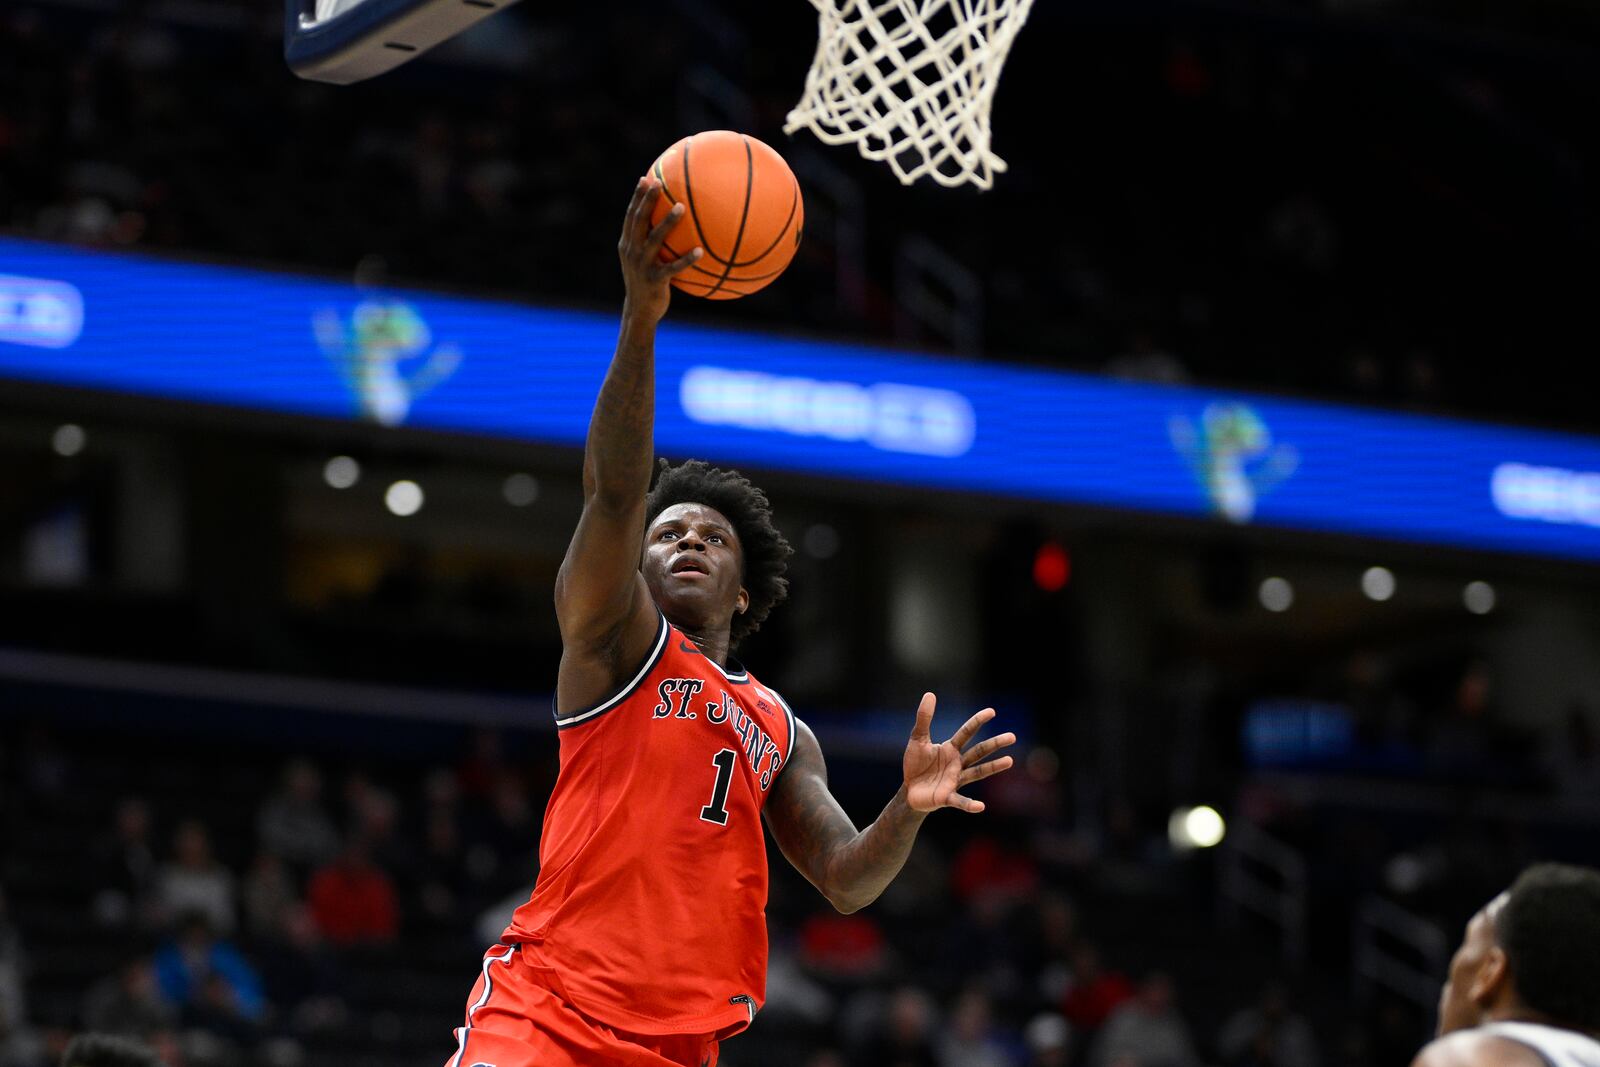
x=345, y=41
x=306, y=346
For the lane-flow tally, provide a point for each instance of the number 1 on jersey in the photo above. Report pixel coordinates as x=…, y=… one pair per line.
x=717, y=810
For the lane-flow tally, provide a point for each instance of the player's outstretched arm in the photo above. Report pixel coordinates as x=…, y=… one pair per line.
x=600, y=597
x=851, y=868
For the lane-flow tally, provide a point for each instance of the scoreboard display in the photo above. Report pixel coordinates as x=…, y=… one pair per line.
x=308, y=346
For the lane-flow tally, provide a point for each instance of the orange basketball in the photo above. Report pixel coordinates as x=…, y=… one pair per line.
x=741, y=204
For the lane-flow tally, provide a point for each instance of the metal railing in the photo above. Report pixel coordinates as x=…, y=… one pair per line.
x=1398, y=950
x=936, y=294
x=1263, y=876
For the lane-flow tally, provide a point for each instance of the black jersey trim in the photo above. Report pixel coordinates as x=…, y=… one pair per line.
x=578, y=718
x=738, y=677
x=788, y=714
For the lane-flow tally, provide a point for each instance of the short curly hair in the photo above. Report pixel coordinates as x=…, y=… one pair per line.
x=1549, y=928
x=766, y=552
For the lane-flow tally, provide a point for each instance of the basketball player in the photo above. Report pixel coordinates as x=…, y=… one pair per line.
x=1524, y=987
x=645, y=941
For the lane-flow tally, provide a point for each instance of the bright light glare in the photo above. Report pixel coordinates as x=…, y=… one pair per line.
x=1197, y=827
x=341, y=472
x=1276, y=594
x=521, y=490
x=404, y=498
x=1378, y=583
x=1478, y=597
x=69, y=439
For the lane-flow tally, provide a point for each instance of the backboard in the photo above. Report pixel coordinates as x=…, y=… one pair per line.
x=345, y=41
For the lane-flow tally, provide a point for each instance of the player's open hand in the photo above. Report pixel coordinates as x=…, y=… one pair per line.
x=646, y=276
x=934, y=772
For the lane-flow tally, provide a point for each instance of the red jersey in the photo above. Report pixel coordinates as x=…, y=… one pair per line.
x=652, y=891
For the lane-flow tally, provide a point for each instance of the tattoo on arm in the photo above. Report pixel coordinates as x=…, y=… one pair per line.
x=851, y=868
x=618, y=452
x=599, y=603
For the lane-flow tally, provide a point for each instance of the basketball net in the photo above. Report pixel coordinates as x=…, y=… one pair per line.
x=911, y=83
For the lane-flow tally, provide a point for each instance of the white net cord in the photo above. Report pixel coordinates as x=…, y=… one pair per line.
x=911, y=83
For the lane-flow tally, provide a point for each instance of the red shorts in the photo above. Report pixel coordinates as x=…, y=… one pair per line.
x=515, y=1018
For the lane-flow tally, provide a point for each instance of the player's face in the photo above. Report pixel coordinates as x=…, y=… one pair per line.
x=1472, y=969
x=694, y=565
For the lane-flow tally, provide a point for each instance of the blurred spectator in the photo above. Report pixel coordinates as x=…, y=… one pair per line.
x=969, y=1040
x=848, y=947
x=983, y=944
x=13, y=961
x=1270, y=1033
x=22, y=1047
x=108, y=1050
x=124, y=867
x=353, y=900
x=443, y=884
x=904, y=1036
x=362, y=798
x=1394, y=1028
x=1146, y=1030
x=1463, y=741
x=129, y=1002
x=377, y=825
x=208, y=979
x=441, y=793
x=302, y=976
x=1034, y=796
x=293, y=823
x=43, y=765
x=1049, y=1040
x=985, y=866
x=1131, y=856
x=481, y=769
x=1048, y=951
x=791, y=994
x=490, y=922
x=1093, y=993
x=505, y=851
x=1573, y=759
x=920, y=894
x=1385, y=722
x=195, y=882
x=269, y=896
x=19, y=1045
x=1145, y=360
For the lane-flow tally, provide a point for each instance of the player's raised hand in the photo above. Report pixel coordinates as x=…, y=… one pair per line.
x=645, y=275
x=935, y=771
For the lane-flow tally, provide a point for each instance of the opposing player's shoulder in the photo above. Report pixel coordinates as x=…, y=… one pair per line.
x=1476, y=1048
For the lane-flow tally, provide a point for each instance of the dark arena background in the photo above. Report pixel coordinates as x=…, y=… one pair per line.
x=1250, y=474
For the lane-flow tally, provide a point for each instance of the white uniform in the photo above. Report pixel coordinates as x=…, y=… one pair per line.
x=1557, y=1047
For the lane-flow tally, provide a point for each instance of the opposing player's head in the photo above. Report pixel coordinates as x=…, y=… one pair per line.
x=712, y=556
x=1530, y=955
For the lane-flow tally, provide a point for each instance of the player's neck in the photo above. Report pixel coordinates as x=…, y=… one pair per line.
x=713, y=643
